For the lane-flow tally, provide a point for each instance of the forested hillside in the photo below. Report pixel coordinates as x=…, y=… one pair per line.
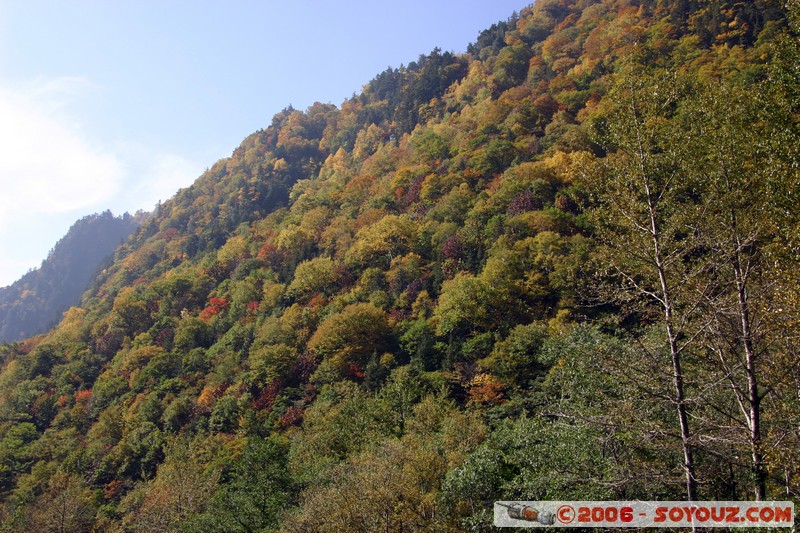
x=34, y=303
x=561, y=265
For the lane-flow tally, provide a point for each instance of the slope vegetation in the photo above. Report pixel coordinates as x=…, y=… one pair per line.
x=558, y=266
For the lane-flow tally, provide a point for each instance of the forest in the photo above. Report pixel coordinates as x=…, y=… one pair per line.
x=559, y=266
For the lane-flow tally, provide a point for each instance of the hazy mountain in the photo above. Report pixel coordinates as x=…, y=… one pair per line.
x=34, y=303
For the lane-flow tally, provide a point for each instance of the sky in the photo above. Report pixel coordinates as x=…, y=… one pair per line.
x=119, y=104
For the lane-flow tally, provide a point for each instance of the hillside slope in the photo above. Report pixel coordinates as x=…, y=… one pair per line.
x=560, y=266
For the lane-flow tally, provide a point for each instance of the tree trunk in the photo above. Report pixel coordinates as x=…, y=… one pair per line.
x=753, y=397
x=674, y=351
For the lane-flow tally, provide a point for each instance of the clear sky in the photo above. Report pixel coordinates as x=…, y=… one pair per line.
x=116, y=104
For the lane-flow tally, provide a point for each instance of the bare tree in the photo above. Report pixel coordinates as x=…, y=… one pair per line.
x=643, y=206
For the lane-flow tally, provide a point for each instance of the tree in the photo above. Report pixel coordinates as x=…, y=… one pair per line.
x=258, y=490
x=130, y=312
x=392, y=483
x=784, y=254
x=643, y=208
x=727, y=147
x=313, y=276
x=463, y=305
x=67, y=505
x=350, y=337
x=379, y=243
x=514, y=360
x=181, y=489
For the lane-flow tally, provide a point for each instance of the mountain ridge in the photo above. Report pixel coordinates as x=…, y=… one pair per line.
x=34, y=303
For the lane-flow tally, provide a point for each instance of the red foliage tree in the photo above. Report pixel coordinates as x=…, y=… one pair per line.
x=215, y=307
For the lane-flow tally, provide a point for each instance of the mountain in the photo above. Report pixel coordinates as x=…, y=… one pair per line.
x=34, y=303
x=559, y=266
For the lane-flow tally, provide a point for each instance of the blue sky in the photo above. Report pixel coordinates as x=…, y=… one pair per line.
x=118, y=104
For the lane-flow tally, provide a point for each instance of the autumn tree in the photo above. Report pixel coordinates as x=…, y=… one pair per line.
x=67, y=505
x=347, y=339
x=727, y=147
x=379, y=243
x=317, y=275
x=182, y=488
x=643, y=213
